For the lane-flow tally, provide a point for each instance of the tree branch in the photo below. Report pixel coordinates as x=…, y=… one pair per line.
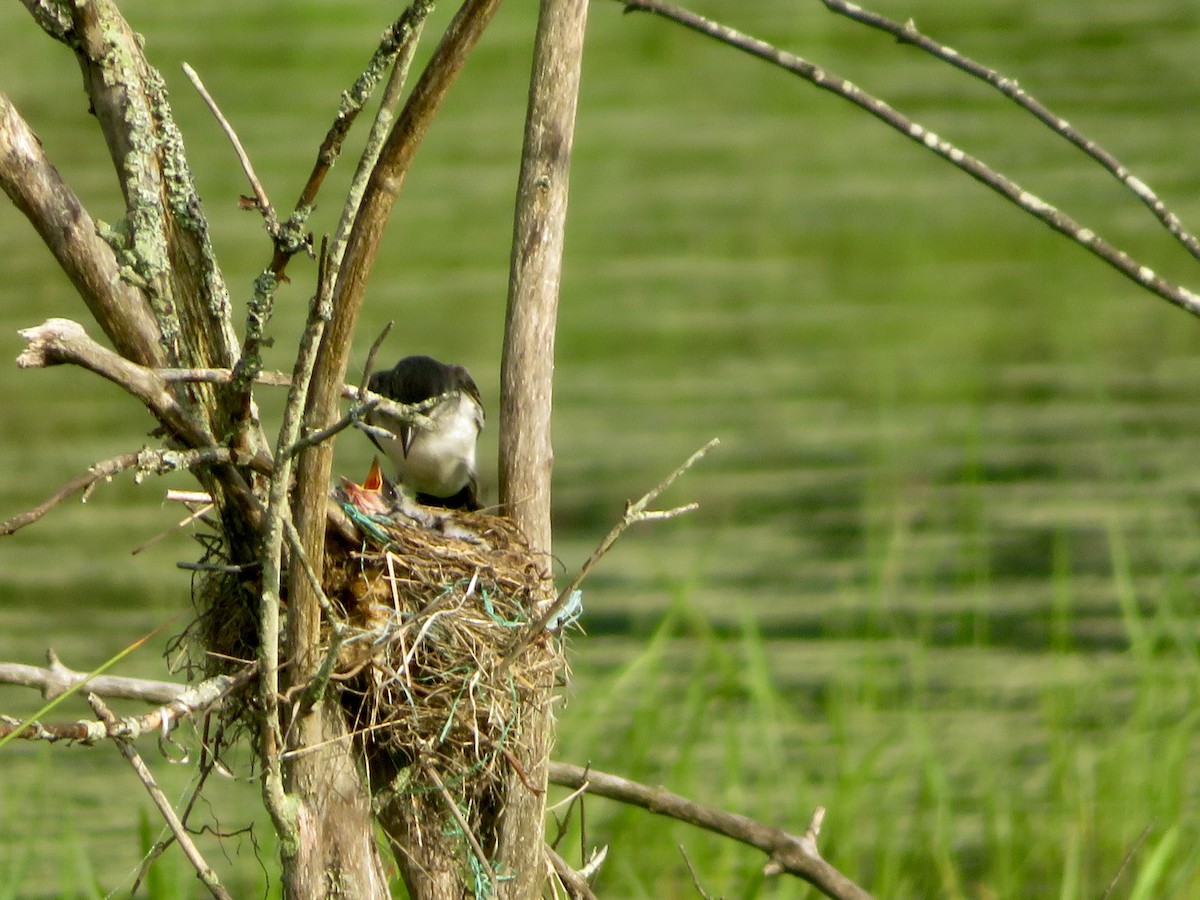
x=206, y=873
x=146, y=461
x=795, y=855
x=37, y=189
x=60, y=341
x=634, y=512
x=1035, y=206
x=186, y=702
x=908, y=34
x=168, y=237
x=261, y=201
x=55, y=679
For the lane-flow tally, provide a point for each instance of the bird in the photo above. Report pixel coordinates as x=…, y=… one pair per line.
x=436, y=462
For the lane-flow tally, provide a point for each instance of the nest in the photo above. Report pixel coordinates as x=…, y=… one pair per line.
x=431, y=616
x=428, y=629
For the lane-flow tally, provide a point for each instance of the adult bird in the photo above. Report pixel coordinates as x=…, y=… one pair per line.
x=437, y=462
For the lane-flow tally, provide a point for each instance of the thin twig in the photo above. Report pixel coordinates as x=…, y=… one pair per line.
x=822, y=78
x=687, y=861
x=1129, y=854
x=369, y=365
x=795, y=855
x=207, y=765
x=405, y=412
x=353, y=417
x=409, y=413
x=261, y=201
x=468, y=834
x=206, y=872
x=146, y=461
x=907, y=33
x=199, y=514
x=634, y=512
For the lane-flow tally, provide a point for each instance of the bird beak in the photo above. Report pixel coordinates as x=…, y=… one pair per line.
x=370, y=496
x=374, y=479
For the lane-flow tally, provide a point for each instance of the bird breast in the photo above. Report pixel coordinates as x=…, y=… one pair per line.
x=441, y=460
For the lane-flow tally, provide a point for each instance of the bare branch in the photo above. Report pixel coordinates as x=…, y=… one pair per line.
x=262, y=202
x=404, y=412
x=72, y=236
x=55, y=679
x=794, y=855
x=179, y=702
x=60, y=341
x=1059, y=221
x=168, y=237
x=146, y=461
x=207, y=875
x=634, y=512
x=908, y=34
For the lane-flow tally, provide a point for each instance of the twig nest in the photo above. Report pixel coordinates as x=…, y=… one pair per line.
x=432, y=606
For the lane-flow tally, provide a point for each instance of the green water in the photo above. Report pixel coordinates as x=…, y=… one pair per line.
x=943, y=576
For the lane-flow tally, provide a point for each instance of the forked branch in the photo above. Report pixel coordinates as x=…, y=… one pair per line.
x=637, y=511
x=907, y=33
x=788, y=853
x=1004, y=186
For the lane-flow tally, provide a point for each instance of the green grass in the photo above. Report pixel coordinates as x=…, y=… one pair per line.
x=943, y=577
x=1032, y=779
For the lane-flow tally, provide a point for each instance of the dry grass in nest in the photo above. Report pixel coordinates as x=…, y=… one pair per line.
x=430, y=616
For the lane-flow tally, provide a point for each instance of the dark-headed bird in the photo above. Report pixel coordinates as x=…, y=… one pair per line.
x=437, y=462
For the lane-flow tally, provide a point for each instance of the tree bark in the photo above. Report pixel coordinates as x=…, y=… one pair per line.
x=527, y=369
x=321, y=777
x=527, y=372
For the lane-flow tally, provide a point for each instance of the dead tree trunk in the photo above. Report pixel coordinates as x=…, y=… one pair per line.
x=527, y=373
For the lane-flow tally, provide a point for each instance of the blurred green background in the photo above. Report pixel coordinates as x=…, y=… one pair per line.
x=943, y=576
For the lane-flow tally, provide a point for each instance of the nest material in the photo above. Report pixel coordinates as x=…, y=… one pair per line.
x=430, y=616
x=428, y=607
